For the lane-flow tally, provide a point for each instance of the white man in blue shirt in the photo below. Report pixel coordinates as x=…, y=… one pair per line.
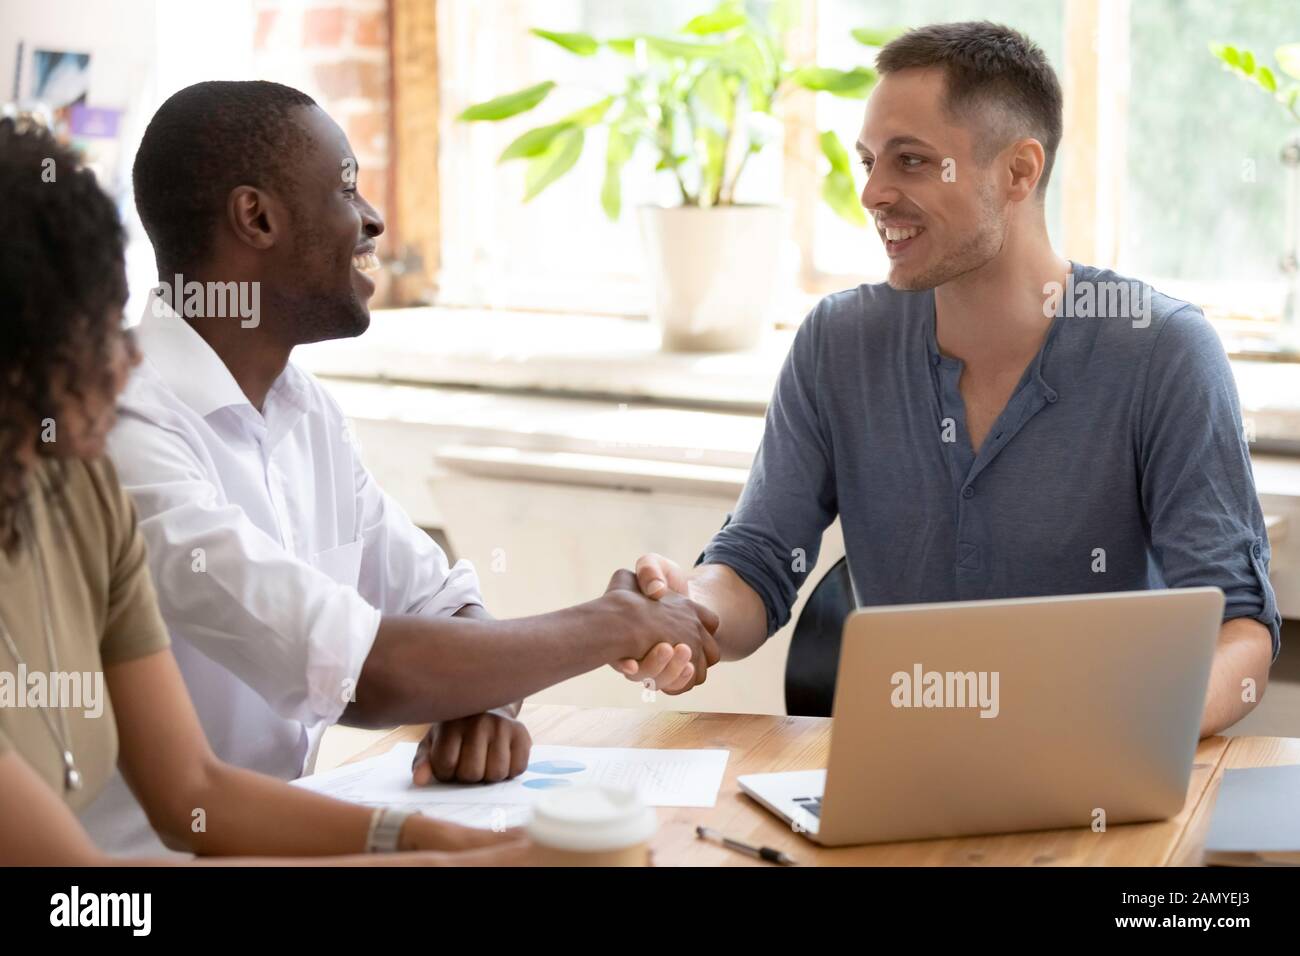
x=994, y=421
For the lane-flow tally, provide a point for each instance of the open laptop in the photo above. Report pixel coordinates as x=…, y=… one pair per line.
x=997, y=716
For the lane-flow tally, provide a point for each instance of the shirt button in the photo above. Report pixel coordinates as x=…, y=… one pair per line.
x=1051, y=398
x=1256, y=550
x=968, y=492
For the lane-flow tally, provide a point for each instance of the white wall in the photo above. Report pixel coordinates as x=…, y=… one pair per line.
x=118, y=34
x=141, y=51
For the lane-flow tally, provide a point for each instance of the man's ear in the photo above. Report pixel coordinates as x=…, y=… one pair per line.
x=256, y=218
x=1025, y=166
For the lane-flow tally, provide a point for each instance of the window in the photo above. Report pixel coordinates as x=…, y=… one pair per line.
x=1204, y=190
x=1163, y=149
x=1204, y=181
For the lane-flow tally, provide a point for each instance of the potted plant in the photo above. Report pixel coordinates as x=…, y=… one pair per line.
x=1247, y=66
x=703, y=102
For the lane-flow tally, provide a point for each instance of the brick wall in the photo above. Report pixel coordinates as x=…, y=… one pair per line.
x=338, y=53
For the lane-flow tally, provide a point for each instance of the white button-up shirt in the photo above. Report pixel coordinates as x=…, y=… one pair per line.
x=273, y=551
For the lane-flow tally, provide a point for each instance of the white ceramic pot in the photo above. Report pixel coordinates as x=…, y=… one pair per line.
x=713, y=274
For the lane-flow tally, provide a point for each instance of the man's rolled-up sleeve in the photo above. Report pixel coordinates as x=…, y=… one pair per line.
x=1198, y=490
x=403, y=570
x=772, y=538
x=286, y=629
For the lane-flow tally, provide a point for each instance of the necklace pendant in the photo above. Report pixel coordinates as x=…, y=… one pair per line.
x=71, y=775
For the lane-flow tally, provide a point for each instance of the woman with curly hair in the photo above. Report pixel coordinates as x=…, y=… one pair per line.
x=87, y=681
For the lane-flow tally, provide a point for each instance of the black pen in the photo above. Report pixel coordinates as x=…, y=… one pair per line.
x=759, y=852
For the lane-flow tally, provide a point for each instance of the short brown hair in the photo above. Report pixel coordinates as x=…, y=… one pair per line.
x=987, y=66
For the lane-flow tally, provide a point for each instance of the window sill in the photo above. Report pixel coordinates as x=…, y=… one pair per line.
x=618, y=360
x=565, y=355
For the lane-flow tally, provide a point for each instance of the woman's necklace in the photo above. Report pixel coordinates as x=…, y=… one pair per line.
x=62, y=738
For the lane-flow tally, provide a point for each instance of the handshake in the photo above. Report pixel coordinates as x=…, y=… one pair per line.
x=669, y=637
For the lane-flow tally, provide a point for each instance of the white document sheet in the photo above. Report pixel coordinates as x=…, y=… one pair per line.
x=663, y=778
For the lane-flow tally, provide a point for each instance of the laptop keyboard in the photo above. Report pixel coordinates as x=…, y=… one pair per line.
x=812, y=805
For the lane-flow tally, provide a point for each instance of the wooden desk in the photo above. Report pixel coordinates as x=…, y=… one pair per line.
x=760, y=743
x=1241, y=752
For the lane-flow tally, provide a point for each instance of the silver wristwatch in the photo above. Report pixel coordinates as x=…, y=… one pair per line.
x=385, y=828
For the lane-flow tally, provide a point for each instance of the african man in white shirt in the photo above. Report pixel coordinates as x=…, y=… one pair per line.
x=296, y=593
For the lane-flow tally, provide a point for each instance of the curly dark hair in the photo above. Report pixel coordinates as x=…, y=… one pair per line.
x=62, y=289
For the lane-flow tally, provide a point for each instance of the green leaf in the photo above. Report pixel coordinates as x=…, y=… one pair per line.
x=1288, y=59
x=589, y=116
x=617, y=153
x=558, y=159
x=726, y=17
x=583, y=44
x=611, y=193
x=835, y=152
x=842, y=196
x=1242, y=62
x=853, y=83
x=666, y=47
x=682, y=49
x=1228, y=54
x=512, y=104
x=747, y=57
x=838, y=189
x=710, y=91
x=534, y=142
x=870, y=36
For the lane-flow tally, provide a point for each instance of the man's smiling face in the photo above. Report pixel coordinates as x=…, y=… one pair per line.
x=936, y=207
x=333, y=232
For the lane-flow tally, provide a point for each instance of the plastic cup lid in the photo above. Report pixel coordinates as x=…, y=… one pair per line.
x=591, y=817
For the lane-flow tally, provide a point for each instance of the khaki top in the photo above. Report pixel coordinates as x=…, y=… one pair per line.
x=104, y=613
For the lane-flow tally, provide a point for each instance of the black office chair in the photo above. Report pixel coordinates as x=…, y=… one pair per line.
x=814, y=657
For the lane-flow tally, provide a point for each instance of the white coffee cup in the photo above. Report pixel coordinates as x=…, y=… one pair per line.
x=592, y=825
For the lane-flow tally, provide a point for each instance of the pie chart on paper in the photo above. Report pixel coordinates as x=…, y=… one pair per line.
x=556, y=766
